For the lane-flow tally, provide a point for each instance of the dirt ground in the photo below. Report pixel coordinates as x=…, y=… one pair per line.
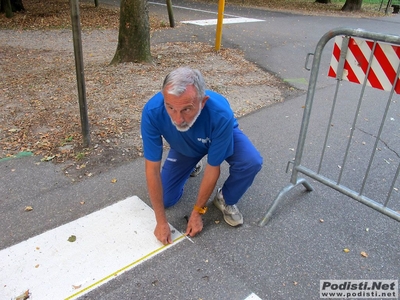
x=39, y=110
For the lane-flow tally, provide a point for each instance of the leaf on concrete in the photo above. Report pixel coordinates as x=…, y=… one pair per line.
x=23, y=296
x=72, y=238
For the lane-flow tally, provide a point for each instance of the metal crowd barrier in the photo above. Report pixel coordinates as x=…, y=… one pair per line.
x=352, y=42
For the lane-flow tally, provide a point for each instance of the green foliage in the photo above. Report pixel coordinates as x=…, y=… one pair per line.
x=80, y=155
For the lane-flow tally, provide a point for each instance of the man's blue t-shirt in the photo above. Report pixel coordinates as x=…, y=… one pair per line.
x=212, y=132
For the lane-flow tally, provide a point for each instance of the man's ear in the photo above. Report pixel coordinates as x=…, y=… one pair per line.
x=203, y=102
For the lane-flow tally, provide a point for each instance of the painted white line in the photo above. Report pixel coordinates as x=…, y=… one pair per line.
x=232, y=20
x=108, y=242
x=253, y=296
x=225, y=21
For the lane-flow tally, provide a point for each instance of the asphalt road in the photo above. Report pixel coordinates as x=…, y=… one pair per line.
x=285, y=259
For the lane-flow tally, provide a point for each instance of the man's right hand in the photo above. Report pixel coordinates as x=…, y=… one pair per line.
x=163, y=233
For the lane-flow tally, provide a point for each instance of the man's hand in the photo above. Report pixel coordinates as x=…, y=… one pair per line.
x=195, y=224
x=163, y=233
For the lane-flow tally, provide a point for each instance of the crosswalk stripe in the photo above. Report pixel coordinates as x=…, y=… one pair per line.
x=225, y=21
x=70, y=260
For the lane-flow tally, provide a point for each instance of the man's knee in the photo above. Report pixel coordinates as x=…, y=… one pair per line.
x=250, y=165
x=256, y=163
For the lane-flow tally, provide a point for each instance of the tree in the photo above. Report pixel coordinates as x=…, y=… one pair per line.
x=352, y=5
x=134, y=33
x=5, y=7
x=10, y=6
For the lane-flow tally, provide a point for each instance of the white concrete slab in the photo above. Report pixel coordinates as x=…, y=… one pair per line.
x=108, y=242
x=225, y=21
x=253, y=296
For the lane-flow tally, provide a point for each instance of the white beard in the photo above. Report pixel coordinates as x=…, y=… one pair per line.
x=186, y=126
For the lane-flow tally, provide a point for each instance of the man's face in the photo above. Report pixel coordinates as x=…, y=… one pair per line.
x=184, y=109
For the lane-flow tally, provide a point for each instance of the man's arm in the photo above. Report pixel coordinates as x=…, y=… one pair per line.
x=210, y=177
x=154, y=186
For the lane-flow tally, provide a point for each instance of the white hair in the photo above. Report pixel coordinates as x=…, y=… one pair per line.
x=179, y=79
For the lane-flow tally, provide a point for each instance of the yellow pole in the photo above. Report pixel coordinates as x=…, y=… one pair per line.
x=221, y=7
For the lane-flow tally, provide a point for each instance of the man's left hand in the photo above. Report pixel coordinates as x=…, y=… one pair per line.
x=195, y=224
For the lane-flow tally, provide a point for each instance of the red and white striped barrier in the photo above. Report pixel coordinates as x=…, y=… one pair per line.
x=384, y=64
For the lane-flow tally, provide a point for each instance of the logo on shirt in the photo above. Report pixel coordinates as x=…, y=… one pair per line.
x=207, y=140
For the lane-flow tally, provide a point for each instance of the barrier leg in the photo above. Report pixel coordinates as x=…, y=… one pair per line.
x=278, y=198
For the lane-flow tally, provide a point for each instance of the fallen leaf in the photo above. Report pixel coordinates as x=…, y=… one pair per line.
x=37, y=266
x=82, y=202
x=114, y=180
x=364, y=254
x=72, y=238
x=346, y=250
x=48, y=158
x=321, y=220
x=28, y=208
x=295, y=283
x=82, y=166
x=75, y=287
x=216, y=221
x=23, y=296
x=155, y=282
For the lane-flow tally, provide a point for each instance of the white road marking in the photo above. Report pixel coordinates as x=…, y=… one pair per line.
x=108, y=243
x=232, y=19
x=253, y=296
x=225, y=21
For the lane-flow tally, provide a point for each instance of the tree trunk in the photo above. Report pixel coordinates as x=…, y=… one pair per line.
x=134, y=33
x=17, y=5
x=323, y=1
x=352, y=5
x=5, y=7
